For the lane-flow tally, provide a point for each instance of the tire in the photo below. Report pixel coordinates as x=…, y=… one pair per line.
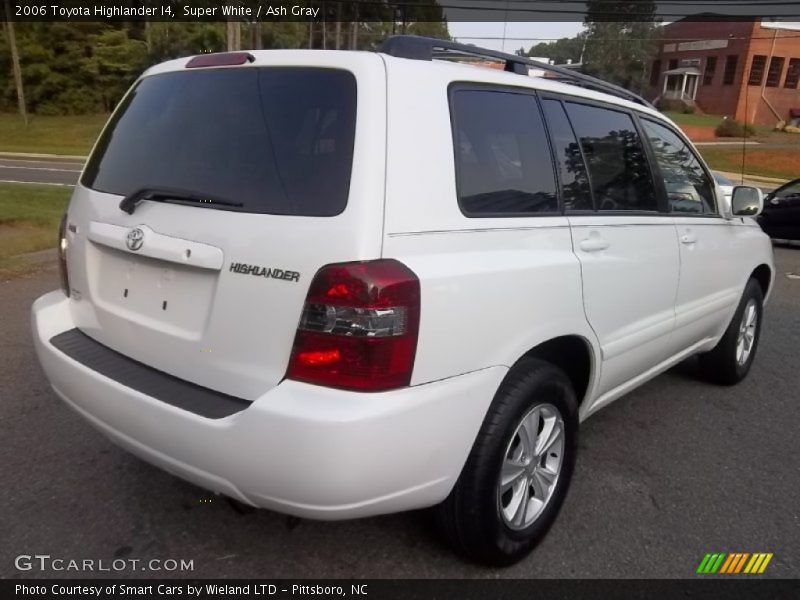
x=724, y=365
x=477, y=520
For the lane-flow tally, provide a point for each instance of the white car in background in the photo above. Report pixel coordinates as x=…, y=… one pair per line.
x=725, y=185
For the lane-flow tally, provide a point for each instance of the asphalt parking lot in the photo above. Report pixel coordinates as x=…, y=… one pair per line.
x=39, y=169
x=672, y=471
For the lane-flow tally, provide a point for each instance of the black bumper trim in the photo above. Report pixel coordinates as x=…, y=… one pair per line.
x=146, y=380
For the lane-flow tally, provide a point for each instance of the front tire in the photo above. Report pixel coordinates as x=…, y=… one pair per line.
x=518, y=472
x=730, y=360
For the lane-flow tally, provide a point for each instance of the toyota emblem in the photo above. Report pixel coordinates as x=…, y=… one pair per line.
x=135, y=239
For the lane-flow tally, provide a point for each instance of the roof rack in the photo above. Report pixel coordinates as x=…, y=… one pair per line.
x=423, y=48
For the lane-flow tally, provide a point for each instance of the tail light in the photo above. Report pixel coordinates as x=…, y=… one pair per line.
x=62, y=255
x=359, y=327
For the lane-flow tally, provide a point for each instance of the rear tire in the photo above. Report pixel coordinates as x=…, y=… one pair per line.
x=730, y=360
x=497, y=522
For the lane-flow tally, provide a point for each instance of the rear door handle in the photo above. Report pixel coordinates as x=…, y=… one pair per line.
x=594, y=243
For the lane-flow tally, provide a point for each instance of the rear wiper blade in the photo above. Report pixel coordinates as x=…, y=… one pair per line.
x=163, y=194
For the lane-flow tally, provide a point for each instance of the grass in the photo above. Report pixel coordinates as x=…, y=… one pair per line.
x=783, y=163
x=694, y=119
x=29, y=218
x=74, y=134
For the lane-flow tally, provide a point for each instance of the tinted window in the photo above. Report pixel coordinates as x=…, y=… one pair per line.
x=278, y=141
x=757, y=69
x=711, y=66
x=689, y=189
x=775, y=70
x=575, y=190
x=790, y=190
x=792, y=74
x=503, y=162
x=730, y=69
x=618, y=168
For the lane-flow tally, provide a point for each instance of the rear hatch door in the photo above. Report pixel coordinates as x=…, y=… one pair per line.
x=248, y=180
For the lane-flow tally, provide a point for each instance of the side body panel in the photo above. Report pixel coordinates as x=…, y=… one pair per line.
x=492, y=288
x=629, y=290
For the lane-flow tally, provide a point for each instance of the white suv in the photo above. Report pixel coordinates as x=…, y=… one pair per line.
x=340, y=284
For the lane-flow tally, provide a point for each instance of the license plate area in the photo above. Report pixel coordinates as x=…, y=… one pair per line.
x=153, y=293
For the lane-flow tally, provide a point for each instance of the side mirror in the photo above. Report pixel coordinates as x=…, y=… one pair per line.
x=747, y=201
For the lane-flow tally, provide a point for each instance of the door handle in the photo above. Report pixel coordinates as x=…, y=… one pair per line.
x=594, y=243
x=688, y=238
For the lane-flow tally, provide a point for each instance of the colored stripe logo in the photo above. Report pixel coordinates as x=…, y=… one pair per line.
x=734, y=563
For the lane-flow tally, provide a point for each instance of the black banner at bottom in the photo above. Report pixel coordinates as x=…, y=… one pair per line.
x=391, y=589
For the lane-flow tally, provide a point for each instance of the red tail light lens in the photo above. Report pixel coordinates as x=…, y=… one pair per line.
x=359, y=327
x=62, y=255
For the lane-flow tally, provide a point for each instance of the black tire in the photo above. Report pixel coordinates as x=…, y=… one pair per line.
x=720, y=365
x=471, y=517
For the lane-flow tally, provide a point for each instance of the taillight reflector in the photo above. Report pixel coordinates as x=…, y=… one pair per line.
x=359, y=327
x=63, y=243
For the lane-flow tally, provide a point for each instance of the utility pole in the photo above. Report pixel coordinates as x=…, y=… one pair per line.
x=12, y=44
x=338, y=25
x=234, y=35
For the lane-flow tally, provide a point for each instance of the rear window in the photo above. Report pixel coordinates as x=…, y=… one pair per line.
x=277, y=140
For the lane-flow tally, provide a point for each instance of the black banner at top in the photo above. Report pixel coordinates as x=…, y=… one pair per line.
x=397, y=10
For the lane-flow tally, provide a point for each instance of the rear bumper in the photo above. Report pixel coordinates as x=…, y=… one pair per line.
x=300, y=449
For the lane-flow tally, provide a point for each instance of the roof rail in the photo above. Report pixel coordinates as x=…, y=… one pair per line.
x=423, y=48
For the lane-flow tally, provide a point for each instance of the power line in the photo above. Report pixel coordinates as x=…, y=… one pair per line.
x=656, y=39
x=701, y=3
x=550, y=10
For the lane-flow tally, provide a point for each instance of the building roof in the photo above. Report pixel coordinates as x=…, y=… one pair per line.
x=683, y=70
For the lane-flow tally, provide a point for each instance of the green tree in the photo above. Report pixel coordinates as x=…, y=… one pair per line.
x=621, y=40
x=115, y=62
x=560, y=51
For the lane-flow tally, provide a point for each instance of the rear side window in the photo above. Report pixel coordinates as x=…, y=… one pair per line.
x=689, y=188
x=503, y=162
x=575, y=190
x=618, y=167
x=277, y=140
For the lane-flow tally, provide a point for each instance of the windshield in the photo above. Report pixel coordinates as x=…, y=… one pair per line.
x=276, y=140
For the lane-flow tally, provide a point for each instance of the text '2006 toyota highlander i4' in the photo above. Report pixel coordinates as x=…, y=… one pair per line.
x=339, y=284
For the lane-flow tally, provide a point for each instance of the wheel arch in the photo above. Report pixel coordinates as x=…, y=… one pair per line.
x=763, y=275
x=574, y=355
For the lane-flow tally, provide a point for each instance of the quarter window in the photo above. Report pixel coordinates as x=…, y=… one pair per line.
x=689, y=189
x=618, y=169
x=503, y=162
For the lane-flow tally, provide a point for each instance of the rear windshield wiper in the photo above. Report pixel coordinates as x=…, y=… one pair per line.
x=163, y=194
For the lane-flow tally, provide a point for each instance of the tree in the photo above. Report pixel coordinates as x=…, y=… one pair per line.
x=115, y=63
x=621, y=39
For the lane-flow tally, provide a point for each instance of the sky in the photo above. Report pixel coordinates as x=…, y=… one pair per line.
x=469, y=33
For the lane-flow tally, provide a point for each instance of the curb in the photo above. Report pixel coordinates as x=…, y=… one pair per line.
x=43, y=156
x=747, y=176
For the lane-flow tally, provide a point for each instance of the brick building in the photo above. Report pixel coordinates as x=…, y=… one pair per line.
x=749, y=70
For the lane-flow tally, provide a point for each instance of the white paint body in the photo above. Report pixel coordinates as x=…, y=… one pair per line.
x=665, y=287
